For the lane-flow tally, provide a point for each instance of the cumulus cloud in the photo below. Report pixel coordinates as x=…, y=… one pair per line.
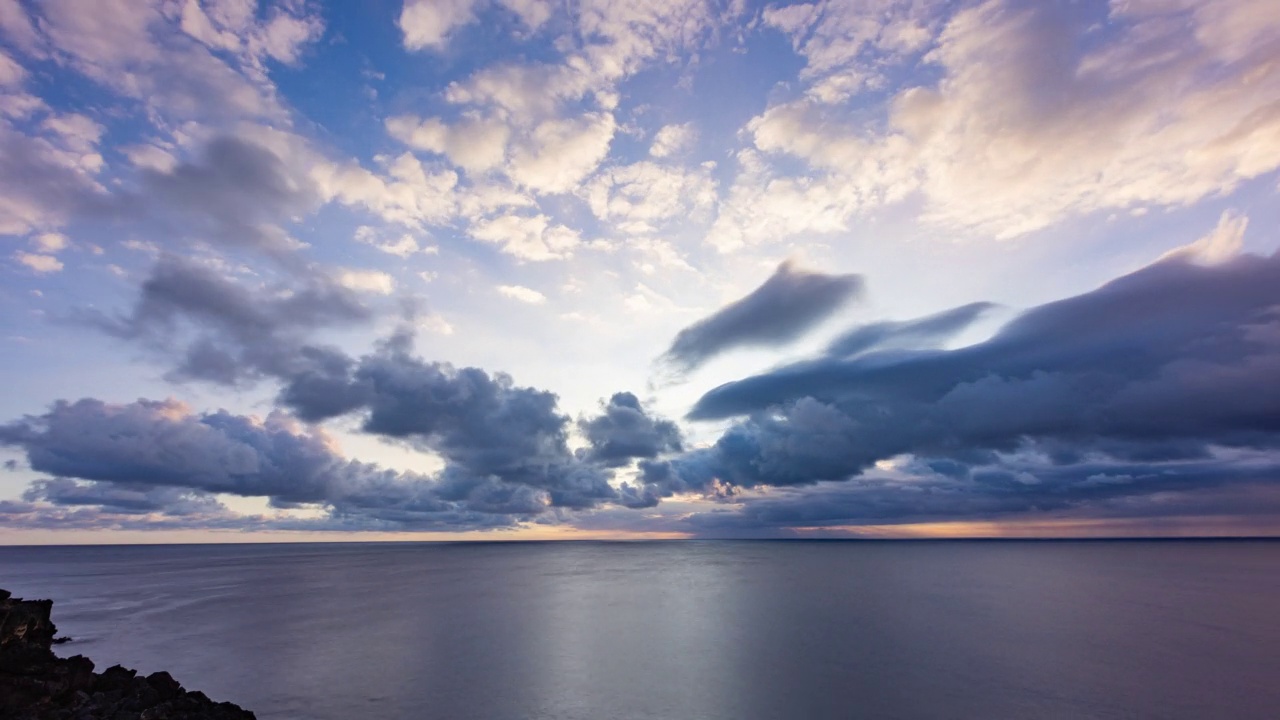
x=367, y=281
x=642, y=197
x=486, y=428
x=427, y=24
x=151, y=454
x=475, y=144
x=523, y=294
x=37, y=263
x=403, y=246
x=673, y=140
x=527, y=237
x=505, y=449
x=788, y=304
x=558, y=154
x=626, y=431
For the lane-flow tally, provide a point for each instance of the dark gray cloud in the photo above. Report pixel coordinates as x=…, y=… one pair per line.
x=159, y=456
x=1134, y=389
x=625, y=432
x=483, y=425
x=790, y=303
x=505, y=449
x=122, y=498
x=1017, y=489
x=1128, y=359
x=907, y=334
x=224, y=331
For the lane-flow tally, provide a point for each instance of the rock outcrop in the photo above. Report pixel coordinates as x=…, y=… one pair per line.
x=35, y=684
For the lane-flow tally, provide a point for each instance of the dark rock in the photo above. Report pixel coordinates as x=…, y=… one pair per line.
x=35, y=684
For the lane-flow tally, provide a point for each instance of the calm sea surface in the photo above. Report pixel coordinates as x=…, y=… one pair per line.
x=685, y=630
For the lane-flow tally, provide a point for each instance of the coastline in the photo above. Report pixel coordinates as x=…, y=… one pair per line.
x=36, y=684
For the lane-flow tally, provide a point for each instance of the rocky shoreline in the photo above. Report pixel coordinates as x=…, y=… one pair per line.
x=35, y=684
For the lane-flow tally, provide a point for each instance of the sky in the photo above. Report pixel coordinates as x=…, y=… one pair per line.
x=505, y=269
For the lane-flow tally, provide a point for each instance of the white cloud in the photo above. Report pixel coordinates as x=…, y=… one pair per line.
x=434, y=324
x=523, y=294
x=427, y=24
x=639, y=198
x=402, y=246
x=527, y=237
x=76, y=132
x=763, y=207
x=1024, y=128
x=474, y=144
x=50, y=242
x=835, y=37
x=38, y=263
x=409, y=194
x=11, y=73
x=1221, y=244
x=367, y=281
x=673, y=140
x=560, y=153
x=150, y=157
x=283, y=37
x=18, y=29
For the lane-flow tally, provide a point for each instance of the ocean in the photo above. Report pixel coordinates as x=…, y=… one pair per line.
x=714, y=630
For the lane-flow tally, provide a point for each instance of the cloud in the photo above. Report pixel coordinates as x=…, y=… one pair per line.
x=43, y=183
x=225, y=331
x=909, y=334
x=401, y=247
x=642, y=197
x=165, y=60
x=527, y=237
x=410, y=193
x=673, y=140
x=626, y=431
x=523, y=294
x=1018, y=490
x=786, y=306
x=51, y=242
x=42, y=264
x=1164, y=334
x=475, y=144
x=486, y=428
x=122, y=498
x=367, y=281
x=1032, y=119
x=149, y=455
x=427, y=24
x=237, y=192
x=558, y=154
x=1156, y=382
x=1221, y=244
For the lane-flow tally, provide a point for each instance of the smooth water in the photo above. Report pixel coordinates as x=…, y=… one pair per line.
x=684, y=630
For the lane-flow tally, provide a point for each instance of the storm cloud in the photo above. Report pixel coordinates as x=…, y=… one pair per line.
x=790, y=303
x=1146, y=385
